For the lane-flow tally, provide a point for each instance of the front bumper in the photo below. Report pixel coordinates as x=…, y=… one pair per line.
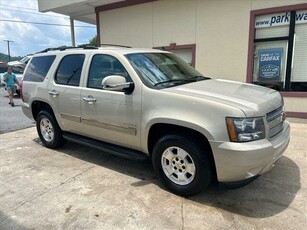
x=240, y=161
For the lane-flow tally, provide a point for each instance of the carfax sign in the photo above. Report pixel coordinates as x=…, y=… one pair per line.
x=270, y=64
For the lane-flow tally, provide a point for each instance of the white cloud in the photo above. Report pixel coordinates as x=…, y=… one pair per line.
x=30, y=38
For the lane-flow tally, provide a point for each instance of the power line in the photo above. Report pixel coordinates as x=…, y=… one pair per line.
x=42, y=23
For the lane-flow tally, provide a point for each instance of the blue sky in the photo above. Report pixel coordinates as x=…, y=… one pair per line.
x=30, y=38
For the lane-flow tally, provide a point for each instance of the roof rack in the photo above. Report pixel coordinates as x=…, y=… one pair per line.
x=86, y=47
x=115, y=45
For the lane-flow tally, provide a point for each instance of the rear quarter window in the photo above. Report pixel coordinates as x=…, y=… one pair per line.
x=38, y=68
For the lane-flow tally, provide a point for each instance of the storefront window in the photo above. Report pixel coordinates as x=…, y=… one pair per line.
x=280, y=51
x=270, y=60
x=299, y=70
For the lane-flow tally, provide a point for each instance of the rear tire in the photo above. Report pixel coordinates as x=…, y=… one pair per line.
x=183, y=165
x=48, y=130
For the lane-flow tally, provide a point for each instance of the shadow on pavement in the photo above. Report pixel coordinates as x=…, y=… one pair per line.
x=267, y=196
x=7, y=223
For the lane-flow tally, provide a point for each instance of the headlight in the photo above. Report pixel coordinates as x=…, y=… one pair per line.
x=245, y=129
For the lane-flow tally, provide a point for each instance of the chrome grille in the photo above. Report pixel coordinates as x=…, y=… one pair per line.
x=275, y=121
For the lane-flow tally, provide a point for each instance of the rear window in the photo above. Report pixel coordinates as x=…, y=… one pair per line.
x=38, y=68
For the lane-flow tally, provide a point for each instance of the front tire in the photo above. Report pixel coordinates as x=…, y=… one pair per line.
x=48, y=130
x=182, y=164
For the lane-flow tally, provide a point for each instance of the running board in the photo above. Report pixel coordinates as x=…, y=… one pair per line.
x=106, y=147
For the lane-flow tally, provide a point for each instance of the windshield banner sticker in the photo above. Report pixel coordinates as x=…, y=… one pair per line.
x=270, y=63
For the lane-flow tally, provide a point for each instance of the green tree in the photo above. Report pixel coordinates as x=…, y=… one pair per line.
x=93, y=41
x=5, y=58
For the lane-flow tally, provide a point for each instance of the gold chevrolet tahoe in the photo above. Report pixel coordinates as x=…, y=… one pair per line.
x=142, y=103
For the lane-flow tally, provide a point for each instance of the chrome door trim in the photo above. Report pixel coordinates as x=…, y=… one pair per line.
x=71, y=117
x=109, y=126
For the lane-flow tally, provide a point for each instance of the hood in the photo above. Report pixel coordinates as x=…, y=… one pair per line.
x=16, y=63
x=253, y=100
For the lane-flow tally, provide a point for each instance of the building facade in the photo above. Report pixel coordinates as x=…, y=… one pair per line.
x=262, y=42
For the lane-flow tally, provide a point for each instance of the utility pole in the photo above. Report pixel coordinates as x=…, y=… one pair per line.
x=8, y=48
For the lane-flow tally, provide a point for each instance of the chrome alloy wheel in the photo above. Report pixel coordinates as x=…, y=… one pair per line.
x=47, y=130
x=178, y=165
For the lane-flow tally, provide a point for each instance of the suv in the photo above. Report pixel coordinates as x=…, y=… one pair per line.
x=141, y=103
x=21, y=64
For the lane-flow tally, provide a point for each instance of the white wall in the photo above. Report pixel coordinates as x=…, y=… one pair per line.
x=174, y=22
x=296, y=104
x=130, y=26
x=222, y=38
x=263, y=4
x=150, y=24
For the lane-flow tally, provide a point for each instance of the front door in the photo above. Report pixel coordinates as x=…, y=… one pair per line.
x=108, y=115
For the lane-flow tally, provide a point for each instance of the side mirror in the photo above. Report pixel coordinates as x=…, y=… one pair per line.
x=117, y=83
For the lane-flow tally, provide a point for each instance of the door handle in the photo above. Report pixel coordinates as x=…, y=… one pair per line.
x=89, y=99
x=53, y=93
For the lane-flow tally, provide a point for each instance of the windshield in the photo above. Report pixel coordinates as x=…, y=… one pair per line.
x=25, y=59
x=161, y=70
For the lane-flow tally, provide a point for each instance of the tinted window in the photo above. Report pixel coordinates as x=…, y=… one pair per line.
x=38, y=68
x=69, y=71
x=3, y=68
x=103, y=66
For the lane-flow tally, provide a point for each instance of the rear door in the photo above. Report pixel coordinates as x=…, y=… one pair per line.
x=64, y=92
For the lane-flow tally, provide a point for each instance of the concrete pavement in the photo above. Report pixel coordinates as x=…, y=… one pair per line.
x=12, y=118
x=76, y=187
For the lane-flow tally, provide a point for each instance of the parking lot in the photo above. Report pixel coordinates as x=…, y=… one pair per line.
x=12, y=118
x=75, y=187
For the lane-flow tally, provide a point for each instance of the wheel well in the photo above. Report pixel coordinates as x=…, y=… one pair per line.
x=159, y=130
x=38, y=106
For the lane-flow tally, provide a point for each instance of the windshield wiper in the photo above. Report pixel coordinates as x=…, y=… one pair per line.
x=199, y=78
x=193, y=79
x=171, y=81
